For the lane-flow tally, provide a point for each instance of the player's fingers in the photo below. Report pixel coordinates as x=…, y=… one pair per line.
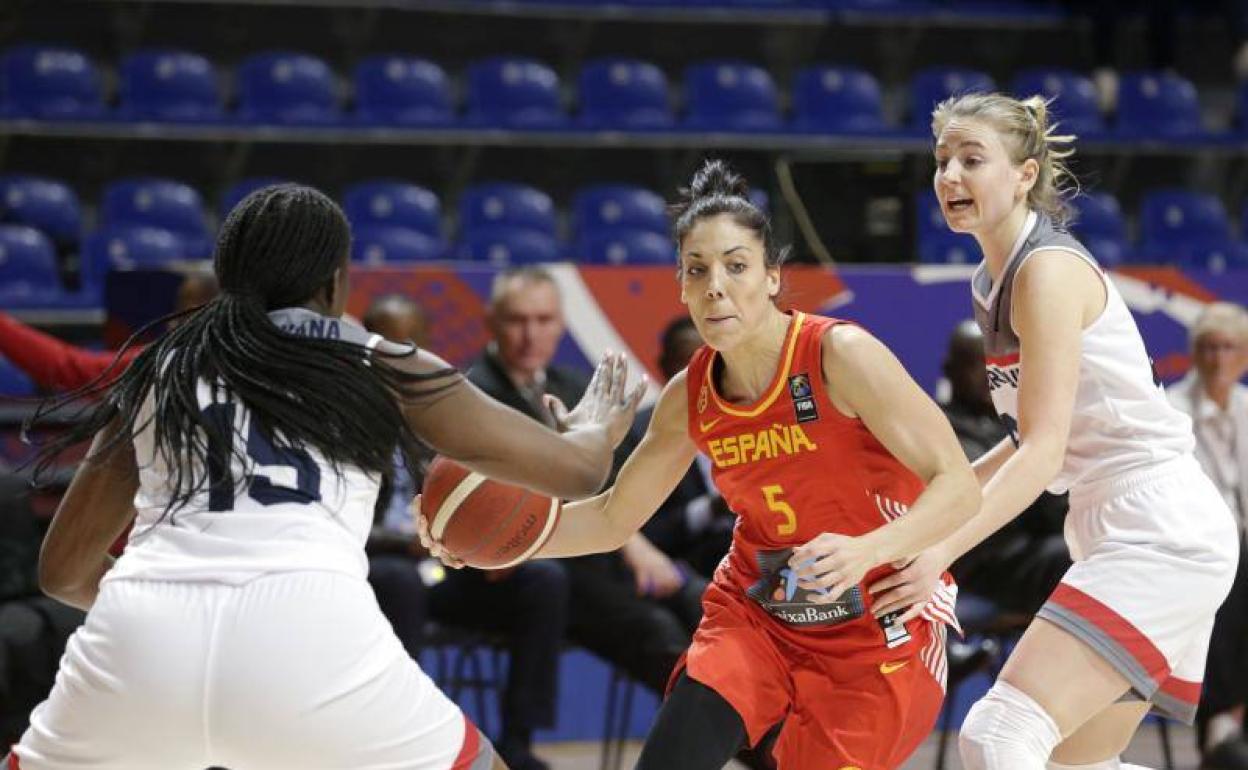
x=620, y=390
x=885, y=583
x=639, y=392
x=556, y=407
x=915, y=610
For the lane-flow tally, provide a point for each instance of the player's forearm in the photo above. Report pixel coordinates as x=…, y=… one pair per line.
x=987, y=464
x=1015, y=486
x=584, y=528
x=949, y=500
x=79, y=589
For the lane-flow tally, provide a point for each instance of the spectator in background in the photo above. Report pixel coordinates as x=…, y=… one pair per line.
x=1218, y=405
x=694, y=525
x=527, y=605
x=56, y=365
x=633, y=607
x=1017, y=567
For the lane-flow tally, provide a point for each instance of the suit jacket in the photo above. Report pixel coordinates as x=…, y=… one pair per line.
x=1187, y=395
x=487, y=373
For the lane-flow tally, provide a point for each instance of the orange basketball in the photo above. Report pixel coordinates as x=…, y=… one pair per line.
x=483, y=522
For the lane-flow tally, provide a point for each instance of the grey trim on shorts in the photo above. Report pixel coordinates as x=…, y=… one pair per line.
x=1143, y=686
x=484, y=760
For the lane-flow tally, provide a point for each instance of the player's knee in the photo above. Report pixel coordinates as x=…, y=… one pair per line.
x=1007, y=730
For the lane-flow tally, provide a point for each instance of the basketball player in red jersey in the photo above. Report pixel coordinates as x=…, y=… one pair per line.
x=837, y=465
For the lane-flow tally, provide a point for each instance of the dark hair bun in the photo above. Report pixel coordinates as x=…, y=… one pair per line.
x=716, y=177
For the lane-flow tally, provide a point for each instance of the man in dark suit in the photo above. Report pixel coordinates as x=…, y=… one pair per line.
x=634, y=607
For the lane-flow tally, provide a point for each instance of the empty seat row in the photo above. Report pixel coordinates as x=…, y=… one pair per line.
x=289, y=88
x=1175, y=226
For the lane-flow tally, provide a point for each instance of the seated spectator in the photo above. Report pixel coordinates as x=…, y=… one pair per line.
x=526, y=606
x=1019, y=566
x=694, y=525
x=634, y=607
x=1218, y=405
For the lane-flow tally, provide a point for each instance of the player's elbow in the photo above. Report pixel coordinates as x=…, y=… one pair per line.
x=584, y=478
x=58, y=579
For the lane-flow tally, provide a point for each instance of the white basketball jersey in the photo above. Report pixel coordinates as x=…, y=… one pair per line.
x=1122, y=420
x=278, y=509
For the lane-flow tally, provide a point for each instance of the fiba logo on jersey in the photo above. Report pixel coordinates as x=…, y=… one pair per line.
x=803, y=398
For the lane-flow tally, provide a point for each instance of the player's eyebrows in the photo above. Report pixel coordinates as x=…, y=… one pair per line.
x=724, y=253
x=958, y=145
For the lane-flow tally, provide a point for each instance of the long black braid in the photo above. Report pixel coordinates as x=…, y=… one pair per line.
x=278, y=248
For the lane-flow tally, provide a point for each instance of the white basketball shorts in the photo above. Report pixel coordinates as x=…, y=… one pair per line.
x=1154, y=556
x=291, y=670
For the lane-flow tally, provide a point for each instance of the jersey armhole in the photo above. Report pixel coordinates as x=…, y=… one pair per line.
x=824, y=395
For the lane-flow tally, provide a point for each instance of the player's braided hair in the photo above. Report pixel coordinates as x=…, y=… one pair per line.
x=277, y=248
x=717, y=189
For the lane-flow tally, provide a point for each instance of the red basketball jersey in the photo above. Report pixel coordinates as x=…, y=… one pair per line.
x=792, y=466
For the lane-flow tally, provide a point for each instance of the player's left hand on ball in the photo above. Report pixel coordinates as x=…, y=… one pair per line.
x=433, y=546
x=912, y=586
x=833, y=563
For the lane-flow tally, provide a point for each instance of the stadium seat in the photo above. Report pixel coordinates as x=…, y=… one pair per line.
x=731, y=96
x=502, y=246
x=502, y=204
x=1098, y=213
x=1216, y=255
x=1108, y=251
x=949, y=248
x=27, y=262
x=836, y=100
x=14, y=383
x=169, y=86
x=50, y=83
x=626, y=247
x=928, y=217
x=46, y=204
x=241, y=189
x=286, y=88
x=931, y=86
x=160, y=203
x=1173, y=219
x=624, y=94
x=1074, y=106
x=608, y=207
x=402, y=91
x=1157, y=105
x=384, y=244
x=392, y=203
x=506, y=92
x=127, y=247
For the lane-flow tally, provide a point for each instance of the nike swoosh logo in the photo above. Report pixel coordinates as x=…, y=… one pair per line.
x=705, y=426
x=888, y=668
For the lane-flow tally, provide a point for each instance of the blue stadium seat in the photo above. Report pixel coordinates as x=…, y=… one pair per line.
x=626, y=247
x=1109, y=251
x=503, y=204
x=1074, y=106
x=507, y=92
x=731, y=96
x=624, y=94
x=50, y=83
x=1171, y=220
x=286, y=88
x=27, y=263
x=46, y=204
x=393, y=203
x=837, y=100
x=127, y=247
x=928, y=217
x=402, y=91
x=610, y=207
x=1158, y=105
x=1216, y=255
x=170, y=86
x=13, y=381
x=161, y=203
x=1098, y=213
x=241, y=189
x=386, y=244
x=933, y=85
x=508, y=246
x=949, y=248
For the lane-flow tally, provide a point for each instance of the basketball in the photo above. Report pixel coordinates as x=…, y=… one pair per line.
x=485, y=523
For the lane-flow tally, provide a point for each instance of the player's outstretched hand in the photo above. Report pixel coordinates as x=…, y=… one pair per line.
x=433, y=546
x=608, y=401
x=911, y=586
x=833, y=563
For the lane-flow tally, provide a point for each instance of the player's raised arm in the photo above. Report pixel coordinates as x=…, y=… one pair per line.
x=458, y=420
x=652, y=471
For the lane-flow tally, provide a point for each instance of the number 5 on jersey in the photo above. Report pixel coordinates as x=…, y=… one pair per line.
x=773, y=492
